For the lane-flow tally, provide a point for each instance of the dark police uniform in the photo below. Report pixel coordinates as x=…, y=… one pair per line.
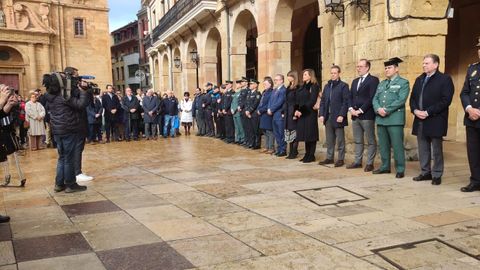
x=242, y=99
x=252, y=132
x=470, y=97
x=228, y=116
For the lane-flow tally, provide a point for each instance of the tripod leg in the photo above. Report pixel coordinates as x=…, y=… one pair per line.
x=19, y=170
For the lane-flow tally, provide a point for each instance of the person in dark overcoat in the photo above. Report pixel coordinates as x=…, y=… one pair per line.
x=334, y=106
x=288, y=112
x=111, y=105
x=131, y=106
x=266, y=120
x=307, y=125
x=431, y=96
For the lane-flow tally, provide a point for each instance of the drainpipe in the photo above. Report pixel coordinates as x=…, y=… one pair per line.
x=170, y=67
x=229, y=49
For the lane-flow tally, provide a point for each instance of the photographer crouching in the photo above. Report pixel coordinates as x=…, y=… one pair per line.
x=67, y=99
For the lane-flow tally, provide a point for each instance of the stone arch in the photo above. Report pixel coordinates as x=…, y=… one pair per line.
x=212, y=61
x=165, y=73
x=244, y=55
x=281, y=40
x=12, y=65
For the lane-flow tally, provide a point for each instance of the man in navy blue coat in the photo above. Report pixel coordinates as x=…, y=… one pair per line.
x=333, y=114
x=431, y=96
x=111, y=104
x=275, y=108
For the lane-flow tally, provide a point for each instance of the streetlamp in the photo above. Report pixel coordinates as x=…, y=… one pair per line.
x=195, y=59
x=177, y=62
x=337, y=8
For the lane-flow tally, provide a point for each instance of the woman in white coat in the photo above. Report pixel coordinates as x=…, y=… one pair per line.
x=186, y=107
x=35, y=113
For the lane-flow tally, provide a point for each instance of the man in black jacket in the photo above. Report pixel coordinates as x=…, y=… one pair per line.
x=198, y=112
x=431, y=96
x=170, y=108
x=111, y=104
x=252, y=133
x=470, y=97
x=362, y=92
x=66, y=128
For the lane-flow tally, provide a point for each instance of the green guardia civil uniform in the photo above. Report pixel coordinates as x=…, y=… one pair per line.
x=391, y=95
x=237, y=119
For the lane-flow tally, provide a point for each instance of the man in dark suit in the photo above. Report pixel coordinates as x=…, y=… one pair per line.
x=130, y=105
x=111, y=104
x=431, y=96
x=363, y=117
x=470, y=97
x=333, y=113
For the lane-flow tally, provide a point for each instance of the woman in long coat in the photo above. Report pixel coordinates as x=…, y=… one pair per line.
x=35, y=114
x=266, y=120
x=307, y=115
x=186, y=118
x=289, y=113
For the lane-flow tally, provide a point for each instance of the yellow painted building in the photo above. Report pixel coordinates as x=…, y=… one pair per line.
x=41, y=36
x=257, y=38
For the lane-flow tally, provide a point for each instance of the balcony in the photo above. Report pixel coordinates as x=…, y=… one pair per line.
x=183, y=12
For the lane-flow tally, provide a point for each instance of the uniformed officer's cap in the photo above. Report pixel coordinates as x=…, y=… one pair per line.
x=393, y=62
x=254, y=81
x=478, y=45
x=238, y=81
x=228, y=82
x=208, y=84
x=244, y=79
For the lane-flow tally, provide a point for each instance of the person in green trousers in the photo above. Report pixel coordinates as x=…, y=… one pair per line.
x=237, y=115
x=389, y=105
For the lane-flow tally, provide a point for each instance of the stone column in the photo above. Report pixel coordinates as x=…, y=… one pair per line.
x=34, y=83
x=279, y=53
x=152, y=69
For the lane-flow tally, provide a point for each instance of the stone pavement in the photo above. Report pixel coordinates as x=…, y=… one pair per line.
x=194, y=202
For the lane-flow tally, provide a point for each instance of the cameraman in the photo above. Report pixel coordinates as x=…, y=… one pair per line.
x=66, y=125
x=8, y=100
x=77, y=84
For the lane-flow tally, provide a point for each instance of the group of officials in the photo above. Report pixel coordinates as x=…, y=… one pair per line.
x=286, y=112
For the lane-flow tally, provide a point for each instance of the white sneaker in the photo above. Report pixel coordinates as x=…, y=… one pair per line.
x=83, y=178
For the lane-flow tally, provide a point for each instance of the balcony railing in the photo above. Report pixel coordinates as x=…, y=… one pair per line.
x=180, y=9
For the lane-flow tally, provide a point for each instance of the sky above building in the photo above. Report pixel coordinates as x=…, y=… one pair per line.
x=122, y=12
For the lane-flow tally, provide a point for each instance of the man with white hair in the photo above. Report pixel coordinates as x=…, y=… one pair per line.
x=150, y=107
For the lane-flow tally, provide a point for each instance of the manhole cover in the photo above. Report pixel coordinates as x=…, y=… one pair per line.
x=430, y=254
x=330, y=195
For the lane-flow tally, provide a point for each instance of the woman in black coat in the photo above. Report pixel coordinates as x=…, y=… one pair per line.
x=289, y=111
x=307, y=115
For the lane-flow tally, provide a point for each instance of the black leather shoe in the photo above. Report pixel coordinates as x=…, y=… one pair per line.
x=436, y=181
x=368, y=168
x=282, y=154
x=400, y=175
x=4, y=219
x=58, y=188
x=354, y=166
x=325, y=162
x=470, y=188
x=308, y=160
x=339, y=163
x=381, y=171
x=423, y=177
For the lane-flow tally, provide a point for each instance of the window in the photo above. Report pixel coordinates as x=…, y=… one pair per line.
x=123, y=73
x=79, y=27
x=135, y=49
x=131, y=70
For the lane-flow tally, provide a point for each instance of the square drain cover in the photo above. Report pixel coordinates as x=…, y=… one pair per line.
x=330, y=195
x=431, y=253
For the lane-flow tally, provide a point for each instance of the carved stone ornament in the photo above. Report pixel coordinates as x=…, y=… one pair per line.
x=28, y=16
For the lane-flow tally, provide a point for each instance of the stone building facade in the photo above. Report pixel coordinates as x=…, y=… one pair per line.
x=263, y=37
x=41, y=36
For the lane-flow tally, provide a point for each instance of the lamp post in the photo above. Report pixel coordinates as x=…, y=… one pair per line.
x=195, y=59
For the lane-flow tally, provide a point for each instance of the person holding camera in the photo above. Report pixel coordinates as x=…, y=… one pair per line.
x=65, y=106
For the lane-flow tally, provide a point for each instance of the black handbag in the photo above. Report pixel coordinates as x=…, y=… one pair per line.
x=10, y=143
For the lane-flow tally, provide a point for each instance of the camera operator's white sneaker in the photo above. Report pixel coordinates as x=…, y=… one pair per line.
x=83, y=178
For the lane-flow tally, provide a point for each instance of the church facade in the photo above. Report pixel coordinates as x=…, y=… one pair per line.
x=38, y=37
